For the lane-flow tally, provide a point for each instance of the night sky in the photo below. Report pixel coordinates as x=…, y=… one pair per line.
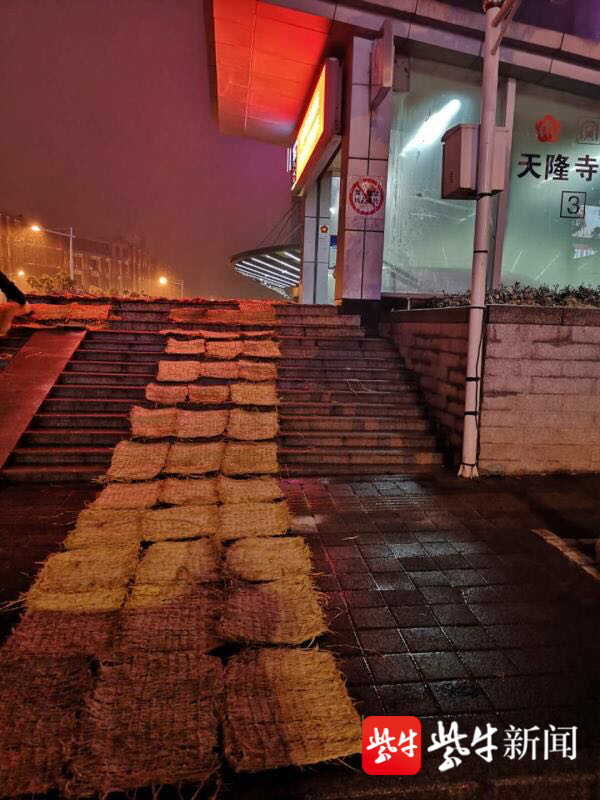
x=105, y=125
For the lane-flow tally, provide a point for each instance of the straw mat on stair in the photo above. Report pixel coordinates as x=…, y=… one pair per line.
x=263, y=559
x=286, y=611
x=85, y=569
x=235, y=490
x=256, y=371
x=208, y=394
x=194, y=459
x=123, y=496
x=49, y=311
x=39, y=701
x=201, y=424
x=218, y=369
x=88, y=311
x=151, y=719
x=160, y=619
x=238, y=520
x=225, y=350
x=254, y=394
x=179, y=522
x=196, y=561
x=188, y=491
x=262, y=349
x=285, y=707
x=185, y=346
x=153, y=423
x=258, y=458
x=101, y=526
x=252, y=426
x=40, y=633
x=178, y=371
x=137, y=461
x=166, y=395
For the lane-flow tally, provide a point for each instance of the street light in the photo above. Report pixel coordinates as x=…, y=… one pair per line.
x=21, y=273
x=38, y=229
x=164, y=281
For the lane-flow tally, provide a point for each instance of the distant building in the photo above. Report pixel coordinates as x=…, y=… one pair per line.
x=117, y=266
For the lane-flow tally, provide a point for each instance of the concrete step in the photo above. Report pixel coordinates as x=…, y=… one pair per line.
x=68, y=473
x=60, y=455
x=110, y=421
x=286, y=385
x=315, y=470
x=132, y=345
x=100, y=378
x=328, y=343
x=108, y=354
x=294, y=423
x=341, y=373
x=348, y=362
x=116, y=367
x=348, y=409
x=114, y=391
x=95, y=437
x=362, y=455
x=343, y=352
x=319, y=439
x=68, y=406
x=403, y=396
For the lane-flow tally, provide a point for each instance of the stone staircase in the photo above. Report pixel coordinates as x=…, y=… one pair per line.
x=349, y=407
x=11, y=344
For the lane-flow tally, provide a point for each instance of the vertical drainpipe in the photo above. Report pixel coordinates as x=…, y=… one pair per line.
x=487, y=131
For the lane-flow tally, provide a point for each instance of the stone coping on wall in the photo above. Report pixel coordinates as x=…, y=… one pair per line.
x=502, y=314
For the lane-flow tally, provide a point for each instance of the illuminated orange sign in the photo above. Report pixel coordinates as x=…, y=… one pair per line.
x=312, y=127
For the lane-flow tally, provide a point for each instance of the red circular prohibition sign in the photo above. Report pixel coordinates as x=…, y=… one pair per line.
x=366, y=196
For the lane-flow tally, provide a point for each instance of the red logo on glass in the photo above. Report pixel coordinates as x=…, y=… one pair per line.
x=548, y=129
x=391, y=745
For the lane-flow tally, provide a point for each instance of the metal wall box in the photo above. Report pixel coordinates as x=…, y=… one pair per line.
x=459, y=163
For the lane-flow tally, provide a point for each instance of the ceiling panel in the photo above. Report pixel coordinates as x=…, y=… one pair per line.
x=266, y=60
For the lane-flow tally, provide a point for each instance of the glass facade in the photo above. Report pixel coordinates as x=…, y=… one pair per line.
x=428, y=241
x=552, y=232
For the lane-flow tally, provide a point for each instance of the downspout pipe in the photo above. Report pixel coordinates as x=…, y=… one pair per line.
x=469, y=467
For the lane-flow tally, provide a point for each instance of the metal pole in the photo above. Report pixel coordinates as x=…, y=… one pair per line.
x=487, y=129
x=71, y=267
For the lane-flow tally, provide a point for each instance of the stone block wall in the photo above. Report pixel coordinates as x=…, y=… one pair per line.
x=433, y=343
x=541, y=391
x=540, y=409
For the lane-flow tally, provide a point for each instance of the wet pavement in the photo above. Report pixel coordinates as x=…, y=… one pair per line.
x=442, y=604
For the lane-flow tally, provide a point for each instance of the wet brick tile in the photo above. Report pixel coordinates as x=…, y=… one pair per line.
x=356, y=598
x=425, y=639
x=356, y=670
x=479, y=594
x=524, y=635
x=454, y=561
x=458, y=696
x=346, y=566
x=373, y=618
x=436, y=666
x=407, y=549
x=382, y=640
x=466, y=637
x=377, y=565
x=340, y=642
x=375, y=550
x=408, y=699
x=487, y=663
x=357, y=581
x=367, y=700
x=338, y=620
x=413, y=616
x=465, y=577
x=339, y=553
x=405, y=597
x=454, y=614
x=441, y=594
x=431, y=578
x=393, y=668
x=532, y=660
x=529, y=691
x=440, y=548
x=393, y=580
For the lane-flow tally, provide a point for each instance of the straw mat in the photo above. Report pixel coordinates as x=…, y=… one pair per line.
x=268, y=559
x=194, y=459
x=252, y=425
x=262, y=349
x=188, y=491
x=286, y=611
x=197, y=561
x=179, y=522
x=137, y=461
x=163, y=621
x=254, y=394
x=153, y=423
x=185, y=346
x=257, y=371
x=49, y=311
x=200, y=424
x=151, y=719
x=287, y=707
x=178, y=371
x=166, y=395
x=224, y=349
x=39, y=701
x=120, y=496
x=85, y=569
x=218, y=369
x=98, y=527
x=235, y=490
x=239, y=520
x=88, y=311
x=40, y=633
x=208, y=394
x=246, y=459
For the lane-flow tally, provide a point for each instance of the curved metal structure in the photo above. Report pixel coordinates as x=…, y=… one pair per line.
x=276, y=267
